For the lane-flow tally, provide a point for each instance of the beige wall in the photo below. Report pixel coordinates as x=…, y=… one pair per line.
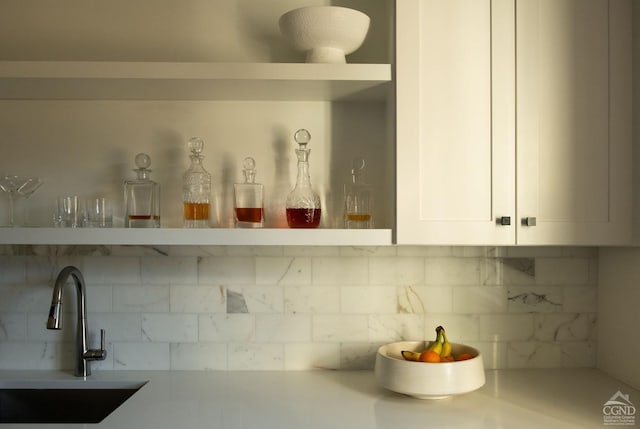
x=619, y=272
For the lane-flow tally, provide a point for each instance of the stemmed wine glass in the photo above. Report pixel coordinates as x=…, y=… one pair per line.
x=18, y=186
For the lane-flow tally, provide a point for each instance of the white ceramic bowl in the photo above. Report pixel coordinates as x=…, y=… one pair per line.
x=428, y=380
x=325, y=33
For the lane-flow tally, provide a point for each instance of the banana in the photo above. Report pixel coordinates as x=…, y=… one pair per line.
x=446, y=345
x=409, y=355
x=432, y=353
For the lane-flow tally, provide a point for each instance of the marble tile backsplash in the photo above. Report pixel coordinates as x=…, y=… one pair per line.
x=299, y=308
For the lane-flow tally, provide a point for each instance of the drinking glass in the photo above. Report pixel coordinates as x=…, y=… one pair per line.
x=18, y=186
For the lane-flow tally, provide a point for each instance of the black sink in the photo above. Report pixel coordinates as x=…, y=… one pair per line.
x=62, y=401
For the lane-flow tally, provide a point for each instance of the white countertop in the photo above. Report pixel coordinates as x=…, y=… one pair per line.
x=555, y=398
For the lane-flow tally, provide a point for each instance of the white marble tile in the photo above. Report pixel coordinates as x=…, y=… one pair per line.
x=315, y=299
x=299, y=251
x=26, y=298
x=12, y=270
x=494, y=354
x=539, y=299
x=13, y=326
x=579, y=354
x=358, y=355
x=141, y=356
x=425, y=299
x=283, y=328
x=226, y=327
x=374, y=251
x=198, y=356
x=368, y=300
x=141, y=299
x=117, y=326
x=562, y=271
x=506, y=327
x=226, y=270
x=565, y=327
x=31, y=355
x=479, y=299
x=162, y=327
x=309, y=356
x=169, y=271
x=534, y=355
x=580, y=299
x=254, y=250
x=507, y=271
x=197, y=251
x=459, y=327
x=255, y=299
x=427, y=251
x=387, y=328
x=342, y=271
x=197, y=299
x=401, y=271
x=254, y=356
x=340, y=327
x=111, y=270
x=283, y=271
x=452, y=271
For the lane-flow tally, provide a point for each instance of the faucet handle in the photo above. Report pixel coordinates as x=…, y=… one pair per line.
x=99, y=354
x=102, y=340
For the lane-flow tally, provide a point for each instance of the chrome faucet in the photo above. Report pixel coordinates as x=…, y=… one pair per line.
x=83, y=354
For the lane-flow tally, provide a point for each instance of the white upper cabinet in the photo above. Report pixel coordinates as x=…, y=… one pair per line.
x=573, y=123
x=495, y=147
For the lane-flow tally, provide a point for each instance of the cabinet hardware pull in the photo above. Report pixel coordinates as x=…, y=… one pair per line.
x=528, y=221
x=504, y=220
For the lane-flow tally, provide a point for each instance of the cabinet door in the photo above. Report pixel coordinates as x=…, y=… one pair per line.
x=455, y=160
x=573, y=121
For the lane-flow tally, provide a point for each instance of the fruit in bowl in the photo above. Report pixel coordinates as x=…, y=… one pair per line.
x=411, y=368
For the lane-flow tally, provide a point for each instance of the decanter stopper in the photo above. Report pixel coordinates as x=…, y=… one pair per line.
x=249, y=198
x=303, y=204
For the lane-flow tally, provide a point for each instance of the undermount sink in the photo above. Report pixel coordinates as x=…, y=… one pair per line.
x=62, y=401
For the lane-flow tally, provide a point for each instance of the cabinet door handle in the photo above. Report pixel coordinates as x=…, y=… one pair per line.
x=504, y=220
x=528, y=221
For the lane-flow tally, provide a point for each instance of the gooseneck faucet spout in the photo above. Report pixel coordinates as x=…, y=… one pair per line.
x=83, y=354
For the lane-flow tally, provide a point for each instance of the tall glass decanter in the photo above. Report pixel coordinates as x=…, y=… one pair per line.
x=142, y=197
x=358, y=199
x=303, y=204
x=196, y=188
x=249, y=198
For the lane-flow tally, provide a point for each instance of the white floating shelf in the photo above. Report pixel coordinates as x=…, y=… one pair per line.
x=96, y=80
x=200, y=237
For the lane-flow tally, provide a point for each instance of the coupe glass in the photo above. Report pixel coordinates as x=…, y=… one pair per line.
x=18, y=186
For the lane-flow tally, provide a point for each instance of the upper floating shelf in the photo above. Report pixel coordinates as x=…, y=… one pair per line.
x=97, y=80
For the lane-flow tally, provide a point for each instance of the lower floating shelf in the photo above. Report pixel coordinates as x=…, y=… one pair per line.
x=199, y=237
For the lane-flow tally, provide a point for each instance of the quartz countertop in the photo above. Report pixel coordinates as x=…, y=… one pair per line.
x=536, y=398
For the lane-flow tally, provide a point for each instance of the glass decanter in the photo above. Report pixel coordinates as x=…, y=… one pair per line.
x=196, y=188
x=249, y=198
x=358, y=199
x=303, y=204
x=142, y=197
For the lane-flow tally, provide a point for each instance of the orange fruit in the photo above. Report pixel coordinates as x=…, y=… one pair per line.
x=429, y=356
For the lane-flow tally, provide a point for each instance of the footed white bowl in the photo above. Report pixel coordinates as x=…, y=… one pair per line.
x=325, y=33
x=428, y=380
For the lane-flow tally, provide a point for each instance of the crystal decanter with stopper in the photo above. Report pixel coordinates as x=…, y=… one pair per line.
x=303, y=204
x=196, y=189
x=142, y=197
x=249, y=198
x=358, y=199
